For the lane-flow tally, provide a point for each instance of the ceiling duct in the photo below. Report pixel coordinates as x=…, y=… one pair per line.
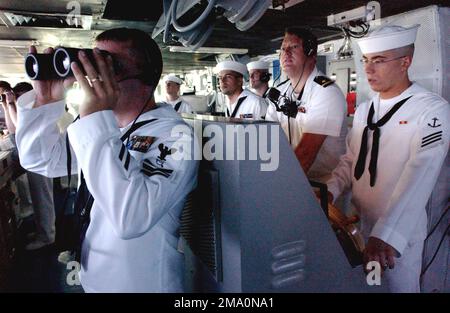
x=30, y=19
x=201, y=16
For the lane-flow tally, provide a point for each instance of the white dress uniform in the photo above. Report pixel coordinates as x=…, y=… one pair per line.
x=412, y=148
x=139, y=191
x=248, y=105
x=181, y=106
x=322, y=110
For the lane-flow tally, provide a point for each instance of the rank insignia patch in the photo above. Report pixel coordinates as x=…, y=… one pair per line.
x=323, y=81
x=432, y=138
x=403, y=122
x=165, y=151
x=246, y=115
x=140, y=143
x=150, y=170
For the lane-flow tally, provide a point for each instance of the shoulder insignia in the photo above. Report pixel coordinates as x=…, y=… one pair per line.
x=165, y=151
x=282, y=83
x=323, y=81
x=431, y=138
x=150, y=170
x=434, y=123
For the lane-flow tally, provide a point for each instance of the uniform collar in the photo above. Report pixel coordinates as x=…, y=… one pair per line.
x=411, y=90
x=174, y=102
x=309, y=82
x=163, y=110
x=244, y=93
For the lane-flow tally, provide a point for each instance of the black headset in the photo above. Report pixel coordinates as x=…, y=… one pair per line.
x=153, y=66
x=309, y=46
x=265, y=77
x=307, y=37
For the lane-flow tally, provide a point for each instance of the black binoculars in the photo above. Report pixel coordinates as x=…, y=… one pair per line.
x=57, y=65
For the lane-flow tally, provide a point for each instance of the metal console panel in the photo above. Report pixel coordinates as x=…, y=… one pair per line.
x=260, y=231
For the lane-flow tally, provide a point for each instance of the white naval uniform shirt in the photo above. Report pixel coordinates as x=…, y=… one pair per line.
x=184, y=106
x=322, y=111
x=253, y=107
x=139, y=191
x=412, y=149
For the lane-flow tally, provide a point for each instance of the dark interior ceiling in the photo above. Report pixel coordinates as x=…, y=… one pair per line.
x=262, y=39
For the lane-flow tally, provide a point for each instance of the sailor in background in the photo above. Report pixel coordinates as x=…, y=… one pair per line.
x=259, y=77
x=395, y=153
x=242, y=103
x=317, y=132
x=172, y=84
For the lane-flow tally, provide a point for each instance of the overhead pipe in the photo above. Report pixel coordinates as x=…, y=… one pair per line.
x=194, y=24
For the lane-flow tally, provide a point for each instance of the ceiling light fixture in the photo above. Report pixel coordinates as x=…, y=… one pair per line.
x=213, y=50
x=18, y=43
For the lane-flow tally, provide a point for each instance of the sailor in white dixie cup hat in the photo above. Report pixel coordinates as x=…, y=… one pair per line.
x=242, y=103
x=259, y=77
x=172, y=84
x=395, y=153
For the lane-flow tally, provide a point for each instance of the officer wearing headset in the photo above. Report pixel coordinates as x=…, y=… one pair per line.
x=259, y=77
x=315, y=124
x=242, y=103
x=134, y=177
x=172, y=84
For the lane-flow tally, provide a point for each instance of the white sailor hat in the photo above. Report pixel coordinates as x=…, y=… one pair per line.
x=231, y=66
x=258, y=65
x=387, y=38
x=173, y=78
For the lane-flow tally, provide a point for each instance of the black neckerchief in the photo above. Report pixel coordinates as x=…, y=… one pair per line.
x=177, y=106
x=375, y=127
x=236, y=108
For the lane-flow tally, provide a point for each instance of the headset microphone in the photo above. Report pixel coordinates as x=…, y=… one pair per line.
x=289, y=108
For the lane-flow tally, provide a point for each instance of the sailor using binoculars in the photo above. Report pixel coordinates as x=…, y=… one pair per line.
x=132, y=187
